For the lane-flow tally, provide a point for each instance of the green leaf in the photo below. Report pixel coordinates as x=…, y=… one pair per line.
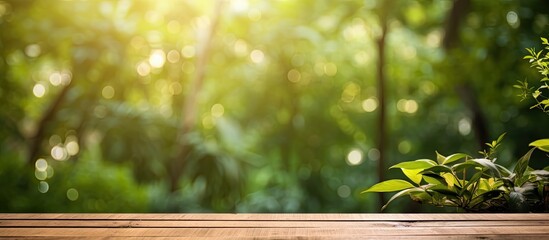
x=445, y=191
x=492, y=194
x=417, y=164
x=450, y=179
x=500, y=138
x=461, y=166
x=437, y=169
x=540, y=173
x=473, y=179
x=402, y=193
x=517, y=202
x=531, y=51
x=389, y=186
x=504, y=171
x=434, y=179
x=413, y=174
x=487, y=164
x=454, y=157
x=479, y=162
x=544, y=41
x=542, y=144
x=440, y=158
x=483, y=185
x=522, y=164
x=421, y=197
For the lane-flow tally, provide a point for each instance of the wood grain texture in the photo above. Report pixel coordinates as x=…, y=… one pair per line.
x=274, y=226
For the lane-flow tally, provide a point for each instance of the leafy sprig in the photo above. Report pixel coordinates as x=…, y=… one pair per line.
x=539, y=60
x=470, y=184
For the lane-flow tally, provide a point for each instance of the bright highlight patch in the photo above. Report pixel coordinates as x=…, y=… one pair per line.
x=370, y=104
x=354, y=157
x=257, y=56
x=39, y=90
x=41, y=164
x=217, y=110
x=157, y=58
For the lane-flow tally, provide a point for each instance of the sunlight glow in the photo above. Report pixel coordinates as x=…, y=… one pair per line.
x=72, y=194
x=41, y=165
x=187, y=67
x=217, y=110
x=174, y=26
x=428, y=87
x=108, y=92
x=350, y=92
x=3, y=8
x=49, y=172
x=40, y=175
x=39, y=90
x=354, y=157
x=153, y=16
x=43, y=187
x=433, y=39
x=374, y=154
x=344, y=191
x=294, y=76
x=240, y=48
x=356, y=31
x=254, y=15
x=175, y=88
x=157, y=58
x=173, y=56
x=239, y=5
x=405, y=147
x=60, y=78
x=72, y=147
x=55, y=78
x=143, y=69
x=100, y=111
x=33, y=50
x=188, y=51
x=408, y=52
x=361, y=58
x=513, y=19
x=208, y=122
x=330, y=69
x=407, y=106
x=319, y=68
x=59, y=153
x=370, y=104
x=54, y=140
x=257, y=56
x=464, y=126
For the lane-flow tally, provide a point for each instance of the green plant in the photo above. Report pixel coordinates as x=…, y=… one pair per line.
x=540, y=61
x=471, y=184
x=480, y=184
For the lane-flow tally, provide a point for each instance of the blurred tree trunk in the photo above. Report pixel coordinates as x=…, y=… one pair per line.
x=205, y=32
x=35, y=140
x=464, y=89
x=381, y=94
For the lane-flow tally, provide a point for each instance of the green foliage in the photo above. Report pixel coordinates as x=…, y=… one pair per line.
x=471, y=184
x=285, y=118
x=88, y=185
x=539, y=60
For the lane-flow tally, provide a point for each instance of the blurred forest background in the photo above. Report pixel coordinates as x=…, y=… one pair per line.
x=252, y=105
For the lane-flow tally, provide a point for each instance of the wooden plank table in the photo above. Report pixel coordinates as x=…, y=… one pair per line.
x=274, y=226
